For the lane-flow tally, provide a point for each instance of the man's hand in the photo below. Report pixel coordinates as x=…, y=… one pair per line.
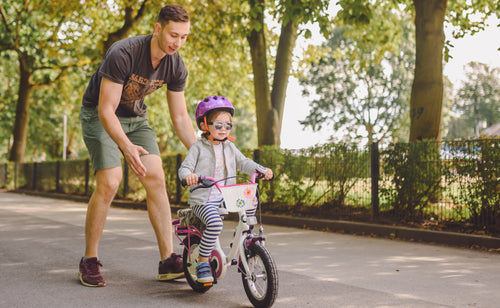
x=133, y=155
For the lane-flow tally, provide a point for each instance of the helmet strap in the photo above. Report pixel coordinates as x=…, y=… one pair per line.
x=206, y=125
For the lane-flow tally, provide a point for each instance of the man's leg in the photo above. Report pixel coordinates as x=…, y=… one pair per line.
x=158, y=204
x=170, y=266
x=107, y=183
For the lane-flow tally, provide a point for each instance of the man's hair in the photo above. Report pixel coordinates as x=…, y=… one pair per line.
x=172, y=12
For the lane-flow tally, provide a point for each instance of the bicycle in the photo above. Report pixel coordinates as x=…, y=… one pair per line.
x=258, y=271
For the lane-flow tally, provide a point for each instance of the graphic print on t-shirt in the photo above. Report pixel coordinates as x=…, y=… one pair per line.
x=134, y=91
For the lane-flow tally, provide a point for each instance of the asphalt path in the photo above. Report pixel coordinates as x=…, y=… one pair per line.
x=42, y=241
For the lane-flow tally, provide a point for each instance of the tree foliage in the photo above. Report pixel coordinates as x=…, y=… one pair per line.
x=477, y=102
x=479, y=96
x=8, y=96
x=359, y=91
x=430, y=15
x=46, y=39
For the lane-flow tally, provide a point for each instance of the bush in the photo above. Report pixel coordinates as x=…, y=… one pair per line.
x=415, y=172
x=476, y=171
x=318, y=176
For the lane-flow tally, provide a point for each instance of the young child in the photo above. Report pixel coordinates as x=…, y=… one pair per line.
x=216, y=156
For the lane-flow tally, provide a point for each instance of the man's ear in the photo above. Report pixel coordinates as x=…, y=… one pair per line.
x=157, y=28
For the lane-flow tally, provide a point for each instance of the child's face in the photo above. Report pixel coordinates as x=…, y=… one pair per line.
x=224, y=118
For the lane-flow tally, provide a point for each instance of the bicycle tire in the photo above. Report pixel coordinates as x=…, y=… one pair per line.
x=262, y=288
x=190, y=267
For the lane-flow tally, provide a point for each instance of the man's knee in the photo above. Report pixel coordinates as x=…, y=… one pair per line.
x=154, y=179
x=153, y=164
x=156, y=176
x=108, y=180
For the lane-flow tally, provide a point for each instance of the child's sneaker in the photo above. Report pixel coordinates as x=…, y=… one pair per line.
x=204, y=273
x=171, y=268
x=90, y=274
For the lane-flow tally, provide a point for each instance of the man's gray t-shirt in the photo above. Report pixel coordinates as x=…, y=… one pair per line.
x=128, y=62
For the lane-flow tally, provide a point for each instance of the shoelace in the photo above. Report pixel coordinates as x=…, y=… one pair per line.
x=94, y=267
x=171, y=259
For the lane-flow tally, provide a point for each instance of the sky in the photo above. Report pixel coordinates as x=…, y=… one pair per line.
x=482, y=47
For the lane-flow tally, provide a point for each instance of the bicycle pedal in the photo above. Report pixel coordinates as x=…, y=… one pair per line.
x=207, y=284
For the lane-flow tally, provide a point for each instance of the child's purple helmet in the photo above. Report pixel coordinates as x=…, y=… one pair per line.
x=212, y=103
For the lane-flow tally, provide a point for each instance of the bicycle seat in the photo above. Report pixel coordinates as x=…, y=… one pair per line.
x=188, y=218
x=183, y=212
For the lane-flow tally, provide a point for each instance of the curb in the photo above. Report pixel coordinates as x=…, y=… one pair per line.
x=349, y=227
x=386, y=231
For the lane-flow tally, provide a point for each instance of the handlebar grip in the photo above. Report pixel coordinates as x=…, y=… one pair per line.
x=260, y=176
x=205, y=182
x=184, y=182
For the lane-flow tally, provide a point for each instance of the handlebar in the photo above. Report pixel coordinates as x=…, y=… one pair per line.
x=259, y=175
x=208, y=181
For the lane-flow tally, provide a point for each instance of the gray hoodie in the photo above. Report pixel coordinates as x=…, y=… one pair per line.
x=201, y=160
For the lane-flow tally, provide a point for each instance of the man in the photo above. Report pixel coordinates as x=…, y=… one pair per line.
x=114, y=119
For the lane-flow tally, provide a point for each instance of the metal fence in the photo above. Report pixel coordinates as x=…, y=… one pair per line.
x=445, y=185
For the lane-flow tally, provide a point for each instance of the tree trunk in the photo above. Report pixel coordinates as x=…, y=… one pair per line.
x=427, y=90
x=264, y=111
x=270, y=104
x=288, y=37
x=22, y=115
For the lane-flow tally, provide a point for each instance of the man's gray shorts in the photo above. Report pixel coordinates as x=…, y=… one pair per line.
x=104, y=152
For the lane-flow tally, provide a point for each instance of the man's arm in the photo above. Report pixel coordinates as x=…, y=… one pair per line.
x=109, y=98
x=180, y=118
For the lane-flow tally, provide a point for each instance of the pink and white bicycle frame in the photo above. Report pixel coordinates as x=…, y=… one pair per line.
x=237, y=198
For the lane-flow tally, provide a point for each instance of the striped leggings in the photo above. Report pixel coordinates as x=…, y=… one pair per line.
x=209, y=215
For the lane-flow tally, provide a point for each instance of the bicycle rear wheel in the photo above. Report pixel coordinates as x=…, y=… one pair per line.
x=190, y=266
x=262, y=285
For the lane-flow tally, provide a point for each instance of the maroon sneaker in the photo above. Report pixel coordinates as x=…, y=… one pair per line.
x=90, y=274
x=171, y=268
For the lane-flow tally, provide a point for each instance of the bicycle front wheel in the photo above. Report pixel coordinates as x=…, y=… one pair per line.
x=261, y=284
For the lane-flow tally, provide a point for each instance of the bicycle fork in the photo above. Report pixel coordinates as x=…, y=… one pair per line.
x=237, y=255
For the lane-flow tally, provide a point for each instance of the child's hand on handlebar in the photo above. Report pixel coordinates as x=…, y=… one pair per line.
x=269, y=174
x=192, y=179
